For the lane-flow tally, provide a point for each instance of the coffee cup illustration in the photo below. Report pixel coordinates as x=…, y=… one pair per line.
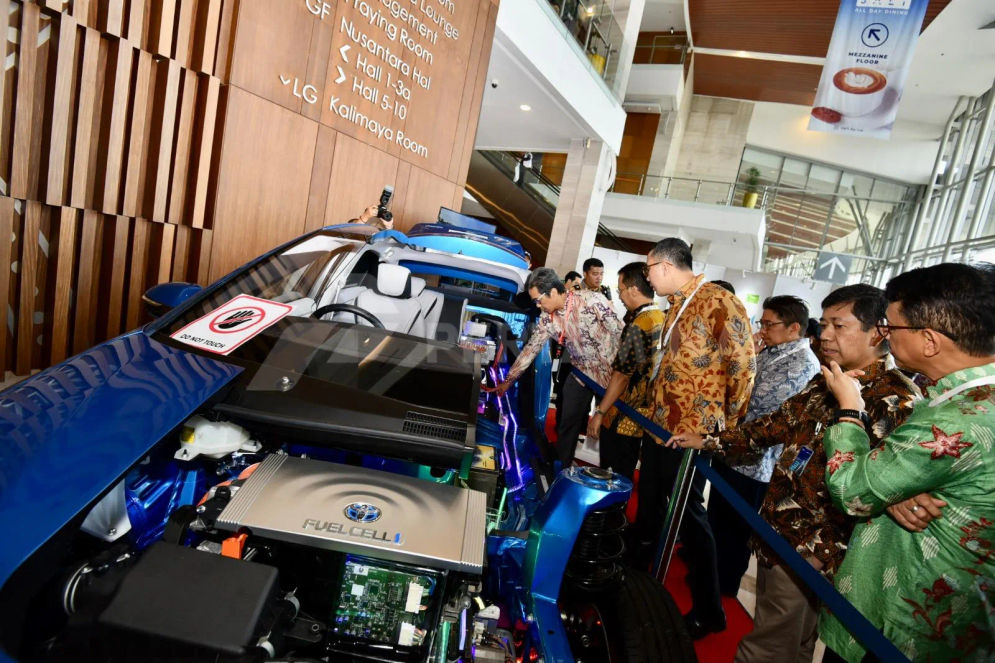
x=859, y=90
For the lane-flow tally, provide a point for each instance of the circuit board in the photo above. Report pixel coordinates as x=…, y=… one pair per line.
x=384, y=603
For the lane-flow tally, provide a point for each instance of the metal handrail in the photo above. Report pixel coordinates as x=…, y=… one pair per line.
x=495, y=158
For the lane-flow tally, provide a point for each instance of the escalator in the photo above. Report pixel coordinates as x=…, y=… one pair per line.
x=524, y=210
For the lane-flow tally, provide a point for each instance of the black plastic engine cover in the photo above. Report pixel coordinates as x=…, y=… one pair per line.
x=194, y=597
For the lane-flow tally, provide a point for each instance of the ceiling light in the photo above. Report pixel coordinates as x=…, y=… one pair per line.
x=525, y=107
x=590, y=11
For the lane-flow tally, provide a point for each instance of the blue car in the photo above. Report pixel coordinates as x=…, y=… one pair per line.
x=304, y=461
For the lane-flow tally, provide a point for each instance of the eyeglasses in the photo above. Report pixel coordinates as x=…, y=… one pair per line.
x=651, y=265
x=538, y=299
x=885, y=329
x=767, y=324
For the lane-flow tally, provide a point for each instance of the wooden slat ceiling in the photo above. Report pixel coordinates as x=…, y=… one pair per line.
x=787, y=27
x=757, y=80
x=790, y=27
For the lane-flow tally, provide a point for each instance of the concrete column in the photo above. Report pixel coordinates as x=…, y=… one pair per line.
x=586, y=178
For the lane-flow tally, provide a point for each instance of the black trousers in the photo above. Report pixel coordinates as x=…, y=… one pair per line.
x=619, y=452
x=656, y=481
x=732, y=534
x=572, y=420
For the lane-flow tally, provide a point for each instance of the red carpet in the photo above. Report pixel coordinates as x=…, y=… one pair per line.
x=717, y=647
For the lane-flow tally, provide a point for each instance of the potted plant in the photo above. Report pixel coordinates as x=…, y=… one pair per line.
x=752, y=182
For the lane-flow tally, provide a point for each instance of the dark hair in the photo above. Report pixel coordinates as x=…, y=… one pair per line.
x=571, y=275
x=592, y=262
x=953, y=299
x=789, y=309
x=545, y=280
x=634, y=274
x=813, y=328
x=725, y=284
x=675, y=250
x=869, y=303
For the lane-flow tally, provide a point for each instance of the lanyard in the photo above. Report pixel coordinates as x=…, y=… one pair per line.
x=670, y=330
x=566, y=314
x=971, y=384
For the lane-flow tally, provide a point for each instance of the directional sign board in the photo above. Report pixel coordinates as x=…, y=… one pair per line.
x=232, y=324
x=832, y=267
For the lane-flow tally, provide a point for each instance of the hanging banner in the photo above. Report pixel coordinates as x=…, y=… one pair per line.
x=866, y=67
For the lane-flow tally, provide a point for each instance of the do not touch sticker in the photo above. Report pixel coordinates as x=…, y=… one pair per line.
x=231, y=324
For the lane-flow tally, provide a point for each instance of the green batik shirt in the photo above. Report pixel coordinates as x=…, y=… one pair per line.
x=932, y=593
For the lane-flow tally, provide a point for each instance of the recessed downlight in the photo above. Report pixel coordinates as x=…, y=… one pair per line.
x=525, y=107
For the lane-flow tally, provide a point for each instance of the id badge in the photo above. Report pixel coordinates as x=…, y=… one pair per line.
x=800, y=461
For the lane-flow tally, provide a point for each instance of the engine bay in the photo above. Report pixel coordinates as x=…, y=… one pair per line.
x=274, y=553
x=236, y=541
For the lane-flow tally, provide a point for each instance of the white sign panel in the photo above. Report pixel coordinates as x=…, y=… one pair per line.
x=231, y=324
x=868, y=61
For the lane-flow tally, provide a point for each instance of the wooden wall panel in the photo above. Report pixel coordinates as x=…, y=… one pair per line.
x=127, y=158
x=65, y=250
x=117, y=96
x=351, y=189
x=269, y=204
x=62, y=104
x=27, y=62
x=321, y=173
x=28, y=275
x=6, y=258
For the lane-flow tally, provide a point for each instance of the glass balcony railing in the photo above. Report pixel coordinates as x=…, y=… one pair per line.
x=594, y=26
x=654, y=48
x=675, y=188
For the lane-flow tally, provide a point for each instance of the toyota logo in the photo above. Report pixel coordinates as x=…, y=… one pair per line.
x=361, y=512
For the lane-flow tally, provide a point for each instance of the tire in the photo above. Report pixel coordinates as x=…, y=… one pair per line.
x=651, y=627
x=640, y=623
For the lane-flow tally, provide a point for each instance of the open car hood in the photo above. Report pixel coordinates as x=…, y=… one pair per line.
x=73, y=430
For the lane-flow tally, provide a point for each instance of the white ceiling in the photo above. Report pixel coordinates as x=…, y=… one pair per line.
x=953, y=57
x=661, y=15
x=548, y=127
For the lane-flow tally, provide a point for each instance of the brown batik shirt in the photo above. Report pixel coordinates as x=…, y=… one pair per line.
x=708, y=365
x=636, y=350
x=798, y=505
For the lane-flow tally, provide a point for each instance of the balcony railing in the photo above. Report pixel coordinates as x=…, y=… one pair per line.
x=661, y=49
x=687, y=189
x=593, y=25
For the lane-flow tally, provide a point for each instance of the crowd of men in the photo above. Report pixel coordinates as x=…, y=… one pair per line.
x=886, y=489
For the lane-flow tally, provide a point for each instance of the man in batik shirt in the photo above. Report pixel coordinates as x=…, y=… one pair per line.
x=930, y=590
x=707, y=365
x=798, y=505
x=585, y=323
x=784, y=366
x=620, y=436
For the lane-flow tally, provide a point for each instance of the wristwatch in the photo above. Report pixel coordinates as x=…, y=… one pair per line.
x=860, y=415
x=599, y=411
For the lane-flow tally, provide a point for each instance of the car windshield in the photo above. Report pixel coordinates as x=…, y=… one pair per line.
x=262, y=320
x=297, y=275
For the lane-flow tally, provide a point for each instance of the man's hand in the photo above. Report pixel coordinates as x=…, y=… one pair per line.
x=844, y=386
x=916, y=512
x=368, y=214
x=758, y=342
x=502, y=388
x=686, y=441
x=594, y=426
x=388, y=225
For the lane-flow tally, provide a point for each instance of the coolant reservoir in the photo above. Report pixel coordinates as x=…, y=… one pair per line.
x=215, y=439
